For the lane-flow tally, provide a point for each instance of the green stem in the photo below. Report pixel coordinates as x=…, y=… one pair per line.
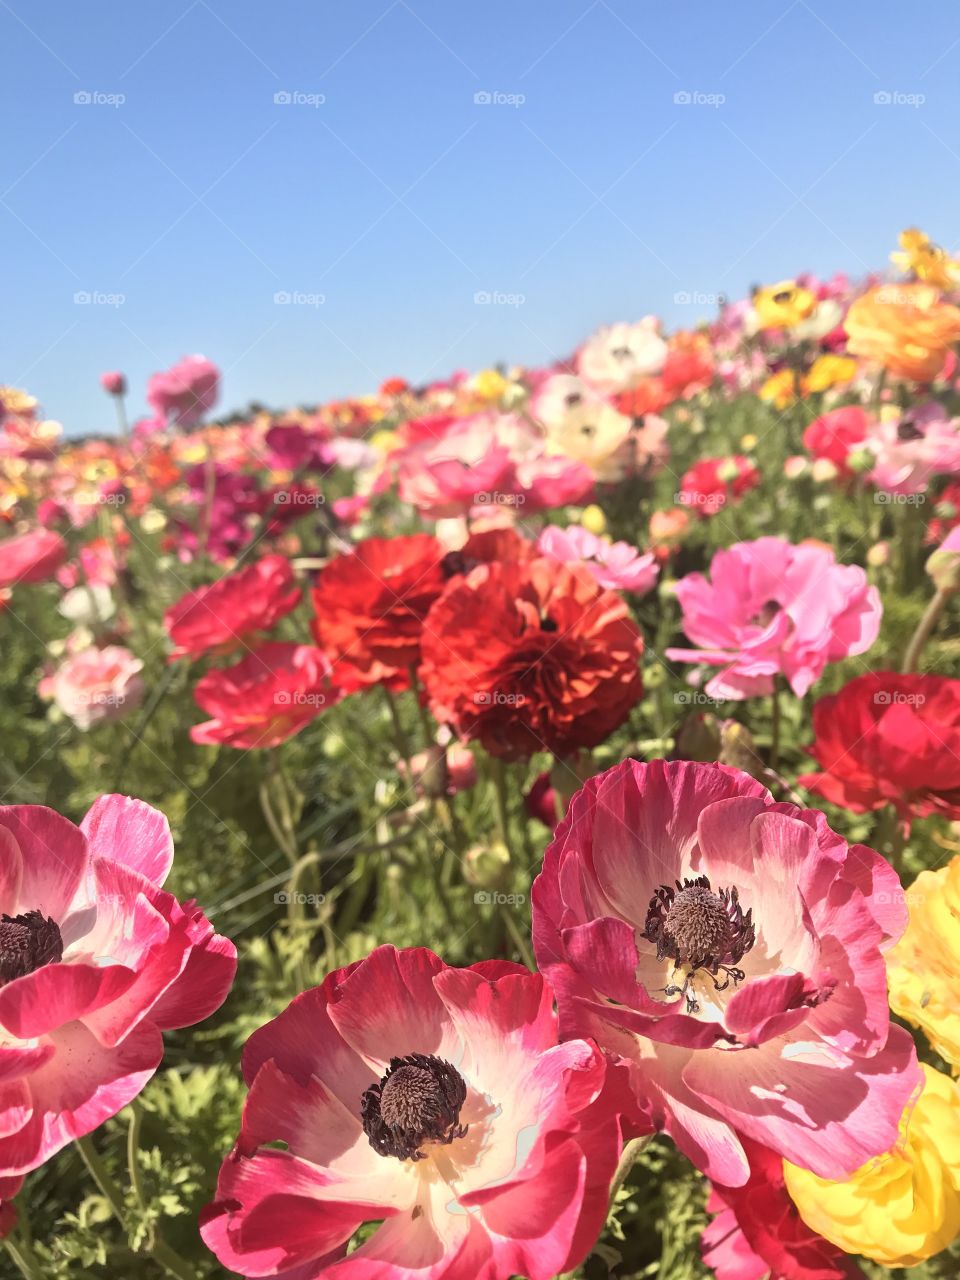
x=24, y=1260
x=101, y=1176
x=517, y=938
x=133, y=1146
x=775, y=725
x=628, y=1159
x=503, y=804
x=931, y=616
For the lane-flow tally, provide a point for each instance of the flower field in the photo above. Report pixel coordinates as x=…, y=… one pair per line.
x=502, y=827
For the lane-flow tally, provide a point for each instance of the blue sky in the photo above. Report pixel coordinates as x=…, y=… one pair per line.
x=181, y=197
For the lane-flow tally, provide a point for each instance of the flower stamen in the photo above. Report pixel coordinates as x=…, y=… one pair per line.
x=416, y=1101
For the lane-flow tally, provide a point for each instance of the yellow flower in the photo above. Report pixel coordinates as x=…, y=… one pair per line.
x=489, y=384
x=384, y=440
x=593, y=519
x=783, y=305
x=13, y=400
x=593, y=436
x=904, y=1206
x=748, y=442
x=922, y=258
x=923, y=969
x=780, y=389
x=829, y=371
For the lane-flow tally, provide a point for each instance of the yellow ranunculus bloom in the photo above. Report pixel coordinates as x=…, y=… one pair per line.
x=923, y=969
x=384, y=440
x=783, y=305
x=829, y=371
x=489, y=384
x=904, y=1206
x=922, y=258
x=593, y=519
x=780, y=389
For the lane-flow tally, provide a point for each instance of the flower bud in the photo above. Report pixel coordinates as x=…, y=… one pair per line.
x=486, y=865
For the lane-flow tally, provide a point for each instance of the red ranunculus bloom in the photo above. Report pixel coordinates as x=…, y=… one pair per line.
x=531, y=657
x=218, y=616
x=890, y=739
x=269, y=696
x=31, y=557
x=370, y=604
x=835, y=434
x=713, y=482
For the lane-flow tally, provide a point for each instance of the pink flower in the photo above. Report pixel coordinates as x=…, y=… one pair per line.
x=217, y=617
x=913, y=449
x=95, y=961
x=772, y=607
x=433, y=1098
x=98, y=685
x=266, y=698
x=115, y=384
x=182, y=394
x=31, y=557
x=615, y=565
x=728, y=950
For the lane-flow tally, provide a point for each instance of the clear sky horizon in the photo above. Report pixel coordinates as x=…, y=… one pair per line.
x=187, y=164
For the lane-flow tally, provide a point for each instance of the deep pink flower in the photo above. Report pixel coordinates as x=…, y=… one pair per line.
x=505, y=1172
x=836, y=434
x=614, y=565
x=115, y=384
x=182, y=394
x=729, y=951
x=217, y=617
x=31, y=557
x=713, y=482
x=771, y=607
x=95, y=961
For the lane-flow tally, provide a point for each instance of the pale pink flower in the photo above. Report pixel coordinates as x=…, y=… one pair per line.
x=913, y=449
x=728, y=951
x=97, y=685
x=771, y=608
x=615, y=358
x=615, y=565
x=182, y=394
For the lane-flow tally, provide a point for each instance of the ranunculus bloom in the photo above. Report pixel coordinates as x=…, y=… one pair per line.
x=182, y=394
x=31, y=557
x=729, y=951
x=887, y=738
x=906, y=328
x=115, y=384
x=370, y=604
x=836, y=434
x=713, y=482
x=216, y=618
x=292, y=446
x=615, y=565
x=758, y=1233
x=582, y=424
x=531, y=657
x=771, y=607
x=266, y=698
x=434, y=1099
x=904, y=1207
x=615, y=358
x=98, y=685
x=924, y=967
x=911, y=450
x=783, y=305
x=95, y=961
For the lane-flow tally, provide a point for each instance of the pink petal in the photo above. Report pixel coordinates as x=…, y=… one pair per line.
x=131, y=832
x=54, y=857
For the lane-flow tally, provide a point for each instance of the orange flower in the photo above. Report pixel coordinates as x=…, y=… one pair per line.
x=907, y=328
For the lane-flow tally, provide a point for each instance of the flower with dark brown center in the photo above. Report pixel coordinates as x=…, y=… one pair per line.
x=27, y=943
x=417, y=1101
x=700, y=929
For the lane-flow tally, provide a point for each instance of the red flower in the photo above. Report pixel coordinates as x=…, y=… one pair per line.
x=531, y=657
x=218, y=616
x=758, y=1232
x=946, y=514
x=370, y=604
x=713, y=482
x=31, y=557
x=650, y=395
x=689, y=365
x=266, y=698
x=834, y=435
x=890, y=739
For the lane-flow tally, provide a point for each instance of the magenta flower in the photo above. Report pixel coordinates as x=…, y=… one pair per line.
x=182, y=394
x=729, y=951
x=115, y=384
x=31, y=557
x=773, y=608
x=95, y=961
x=616, y=566
x=433, y=1098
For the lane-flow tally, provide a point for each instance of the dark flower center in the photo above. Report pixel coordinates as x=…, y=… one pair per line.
x=27, y=943
x=766, y=613
x=907, y=431
x=416, y=1101
x=700, y=929
x=548, y=624
x=455, y=563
